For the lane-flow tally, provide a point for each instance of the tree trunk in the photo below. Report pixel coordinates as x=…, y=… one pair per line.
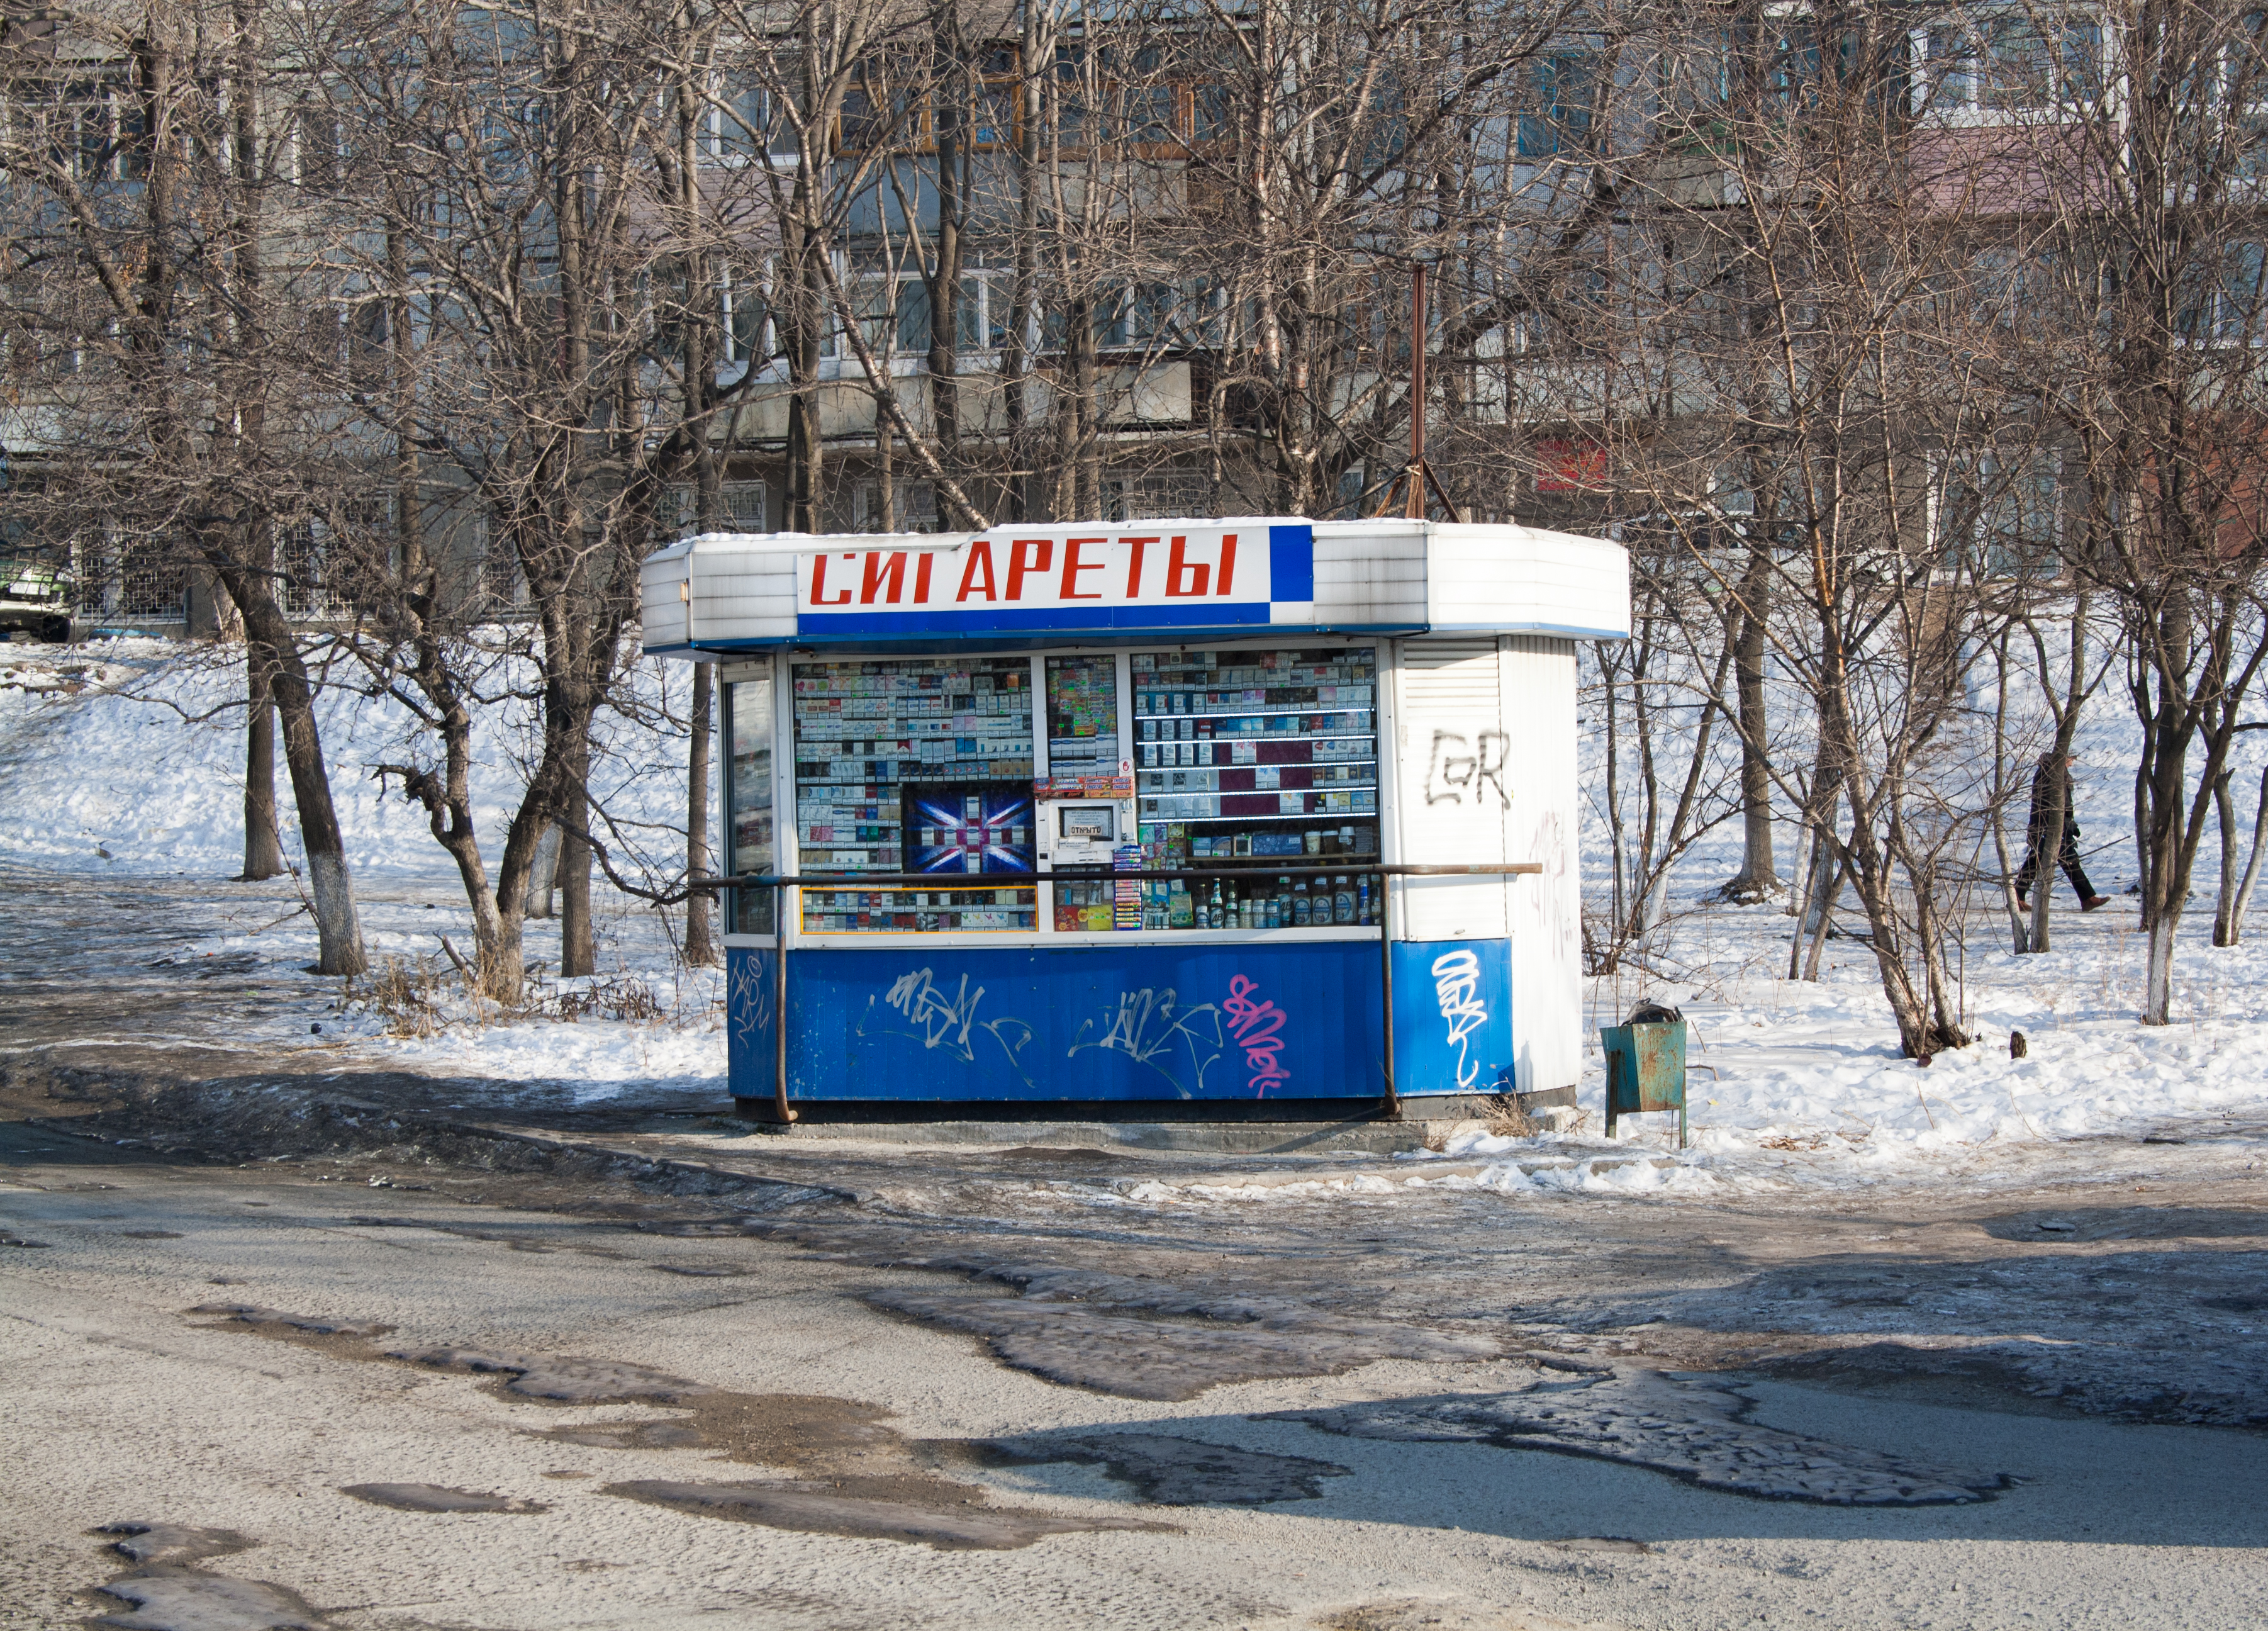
x=806, y=317
x=1820, y=913
x=2224, y=901
x=578, y=948
x=1823, y=875
x=2047, y=851
x=338, y=927
x=2251, y=864
x=2158, y=993
x=2019, y=933
x=944, y=279
x=543, y=873
x=1015, y=362
x=1758, y=878
x=699, y=945
x=263, y=847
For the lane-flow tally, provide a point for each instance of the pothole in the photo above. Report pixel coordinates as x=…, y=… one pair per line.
x=1170, y=1471
x=848, y=1471
x=1685, y=1428
x=168, y=1592
x=436, y=1498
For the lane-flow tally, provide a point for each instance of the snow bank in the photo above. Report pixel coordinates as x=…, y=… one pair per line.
x=128, y=754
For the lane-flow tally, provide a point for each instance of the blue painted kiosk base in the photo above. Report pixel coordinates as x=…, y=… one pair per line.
x=1286, y=1032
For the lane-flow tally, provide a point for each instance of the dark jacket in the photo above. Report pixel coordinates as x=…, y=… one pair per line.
x=2044, y=791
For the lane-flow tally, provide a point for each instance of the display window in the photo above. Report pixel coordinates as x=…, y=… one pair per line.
x=1021, y=809
x=916, y=764
x=748, y=816
x=1244, y=759
x=1083, y=718
x=1084, y=758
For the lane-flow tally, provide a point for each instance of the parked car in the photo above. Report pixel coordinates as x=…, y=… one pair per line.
x=36, y=599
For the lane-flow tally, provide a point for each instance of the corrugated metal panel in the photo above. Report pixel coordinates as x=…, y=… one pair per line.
x=1370, y=580
x=661, y=612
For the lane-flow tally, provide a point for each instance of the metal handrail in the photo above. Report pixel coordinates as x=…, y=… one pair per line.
x=779, y=883
x=1012, y=880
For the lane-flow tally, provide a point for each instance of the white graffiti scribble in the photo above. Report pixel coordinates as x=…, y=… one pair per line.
x=1147, y=1029
x=751, y=1003
x=1001, y=1031
x=937, y=1020
x=1457, y=988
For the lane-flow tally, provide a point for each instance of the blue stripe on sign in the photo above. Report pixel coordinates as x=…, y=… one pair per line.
x=1198, y=614
x=1292, y=562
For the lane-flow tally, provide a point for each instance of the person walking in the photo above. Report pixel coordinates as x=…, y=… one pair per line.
x=2054, y=765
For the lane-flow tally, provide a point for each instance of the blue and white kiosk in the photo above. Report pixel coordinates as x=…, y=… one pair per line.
x=1236, y=817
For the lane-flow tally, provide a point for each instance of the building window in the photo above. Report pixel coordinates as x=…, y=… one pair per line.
x=747, y=317
x=2000, y=516
x=127, y=579
x=914, y=501
x=2221, y=305
x=304, y=557
x=741, y=507
x=2012, y=61
x=1558, y=119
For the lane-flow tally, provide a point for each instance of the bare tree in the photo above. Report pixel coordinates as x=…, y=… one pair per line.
x=143, y=203
x=2148, y=171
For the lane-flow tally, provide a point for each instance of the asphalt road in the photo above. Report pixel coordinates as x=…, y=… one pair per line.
x=655, y=1370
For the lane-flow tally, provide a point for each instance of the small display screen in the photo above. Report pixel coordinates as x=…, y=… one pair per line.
x=968, y=826
x=1092, y=823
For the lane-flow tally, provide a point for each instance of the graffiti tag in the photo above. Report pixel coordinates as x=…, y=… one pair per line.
x=1255, y=1027
x=938, y=1020
x=1457, y=988
x=1459, y=766
x=935, y=1020
x=751, y=1004
x=1148, y=1030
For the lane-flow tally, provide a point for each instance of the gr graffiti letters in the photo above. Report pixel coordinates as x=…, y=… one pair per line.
x=1457, y=988
x=1462, y=767
x=937, y=1020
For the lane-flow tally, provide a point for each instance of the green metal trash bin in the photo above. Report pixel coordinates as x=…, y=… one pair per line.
x=1646, y=1066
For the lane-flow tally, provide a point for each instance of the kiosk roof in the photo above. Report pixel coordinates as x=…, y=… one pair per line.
x=1114, y=583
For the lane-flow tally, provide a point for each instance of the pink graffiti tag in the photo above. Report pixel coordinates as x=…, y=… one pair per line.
x=1253, y=1027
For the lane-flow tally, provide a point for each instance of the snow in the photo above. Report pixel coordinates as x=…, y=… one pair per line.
x=128, y=754
x=124, y=757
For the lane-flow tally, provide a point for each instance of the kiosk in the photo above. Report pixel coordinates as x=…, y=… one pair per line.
x=1249, y=816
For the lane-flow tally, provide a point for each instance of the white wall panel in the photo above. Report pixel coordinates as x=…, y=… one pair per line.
x=1546, y=908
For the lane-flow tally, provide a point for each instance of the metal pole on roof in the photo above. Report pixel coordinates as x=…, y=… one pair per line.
x=1417, y=479
x=1413, y=496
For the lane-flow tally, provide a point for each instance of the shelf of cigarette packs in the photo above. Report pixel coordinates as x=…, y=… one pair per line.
x=862, y=730
x=1250, y=761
